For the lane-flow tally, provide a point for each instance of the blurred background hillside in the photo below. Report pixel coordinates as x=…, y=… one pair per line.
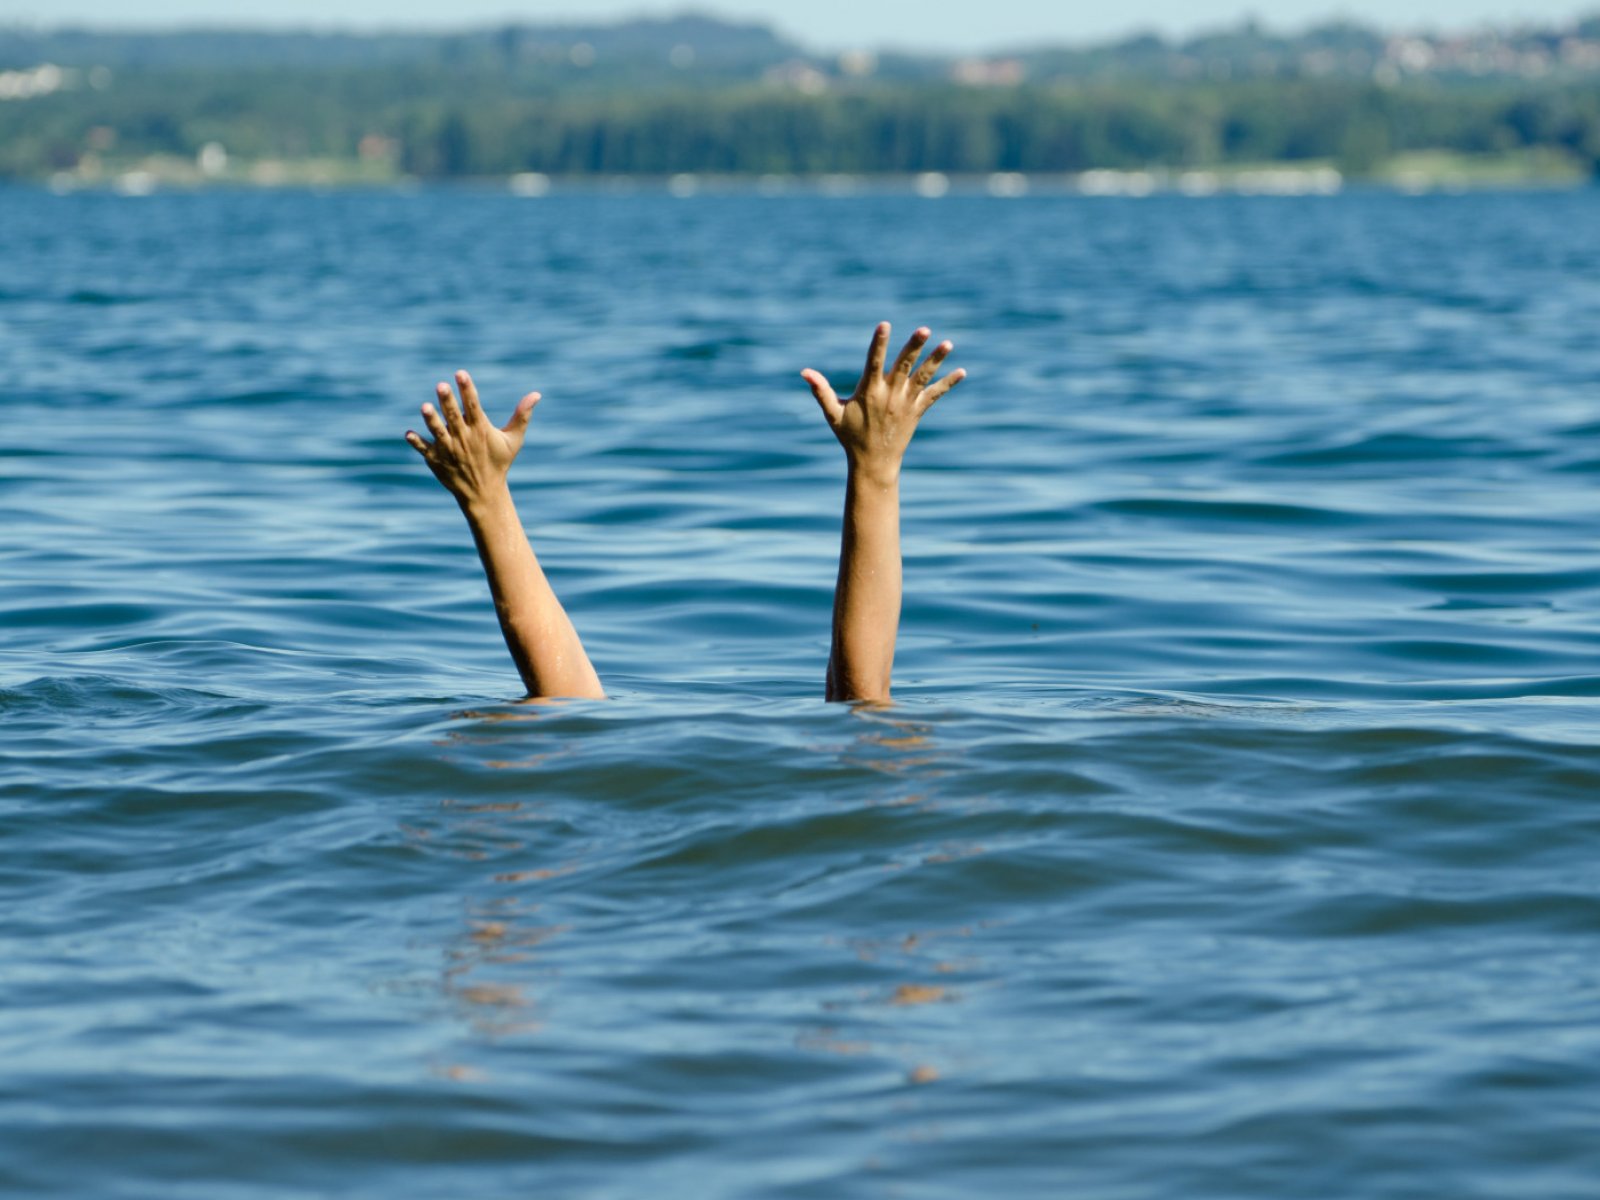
x=700, y=96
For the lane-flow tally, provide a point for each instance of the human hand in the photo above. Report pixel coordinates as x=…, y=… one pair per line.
x=468, y=454
x=876, y=423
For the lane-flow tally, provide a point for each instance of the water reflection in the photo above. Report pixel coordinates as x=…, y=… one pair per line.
x=894, y=742
x=877, y=1007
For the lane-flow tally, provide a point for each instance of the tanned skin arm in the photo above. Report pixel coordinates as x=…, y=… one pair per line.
x=471, y=457
x=874, y=426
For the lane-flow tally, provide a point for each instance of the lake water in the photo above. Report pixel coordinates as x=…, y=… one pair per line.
x=1234, y=834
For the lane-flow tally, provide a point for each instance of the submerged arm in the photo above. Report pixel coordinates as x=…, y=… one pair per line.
x=471, y=457
x=874, y=426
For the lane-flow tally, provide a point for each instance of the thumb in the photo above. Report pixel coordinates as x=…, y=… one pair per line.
x=517, y=428
x=823, y=391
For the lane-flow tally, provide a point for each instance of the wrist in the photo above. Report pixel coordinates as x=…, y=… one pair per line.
x=481, y=505
x=877, y=474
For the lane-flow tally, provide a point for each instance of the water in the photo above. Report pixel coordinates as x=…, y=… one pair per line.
x=1233, y=834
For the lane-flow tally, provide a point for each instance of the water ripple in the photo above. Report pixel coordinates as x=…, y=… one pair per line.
x=1232, y=835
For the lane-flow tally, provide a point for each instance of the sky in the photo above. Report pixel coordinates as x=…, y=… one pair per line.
x=933, y=25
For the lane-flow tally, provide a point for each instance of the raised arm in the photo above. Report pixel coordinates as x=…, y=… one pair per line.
x=874, y=426
x=470, y=457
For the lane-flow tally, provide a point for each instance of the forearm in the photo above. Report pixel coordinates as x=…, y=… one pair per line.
x=540, y=636
x=866, y=600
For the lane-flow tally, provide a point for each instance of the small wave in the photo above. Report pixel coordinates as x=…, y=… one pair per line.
x=1502, y=583
x=95, y=298
x=1205, y=511
x=1389, y=448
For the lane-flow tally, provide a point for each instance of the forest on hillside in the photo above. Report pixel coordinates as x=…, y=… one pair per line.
x=705, y=96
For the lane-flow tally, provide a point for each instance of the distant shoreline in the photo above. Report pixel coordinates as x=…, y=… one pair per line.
x=1416, y=174
x=696, y=103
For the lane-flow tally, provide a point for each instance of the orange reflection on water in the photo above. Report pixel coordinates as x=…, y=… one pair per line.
x=902, y=746
x=495, y=1007
x=537, y=875
x=826, y=1040
x=908, y=994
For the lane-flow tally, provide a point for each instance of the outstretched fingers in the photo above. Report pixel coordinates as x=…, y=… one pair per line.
x=469, y=397
x=452, y=410
x=930, y=365
x=930, y=395
x=875, y=354
x=908, y=355
x=415, y=441
x=434, y=422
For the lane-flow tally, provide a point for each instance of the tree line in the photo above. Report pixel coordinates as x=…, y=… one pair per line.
x=440, y=124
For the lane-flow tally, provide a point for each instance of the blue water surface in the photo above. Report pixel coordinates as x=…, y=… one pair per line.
x=1234, y=833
